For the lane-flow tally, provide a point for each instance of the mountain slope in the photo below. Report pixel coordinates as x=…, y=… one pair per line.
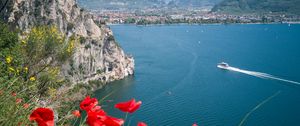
x=195, y=3
x=138, y=4
x=258, y=6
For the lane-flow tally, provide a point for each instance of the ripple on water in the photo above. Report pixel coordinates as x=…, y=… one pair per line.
x=173, y=61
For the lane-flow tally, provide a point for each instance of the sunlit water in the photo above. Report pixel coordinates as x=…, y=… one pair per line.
x=179, y=83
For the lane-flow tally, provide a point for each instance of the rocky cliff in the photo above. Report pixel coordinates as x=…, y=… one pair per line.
x=96, y=57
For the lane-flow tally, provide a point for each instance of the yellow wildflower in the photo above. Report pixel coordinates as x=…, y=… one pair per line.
x=54, y=71
x=11, y=69
x=52, y=91
x=40, y=34
x=53, y=29
x=60, y=80
x=71, y=46
x=23, y=42
x=60, y=39
x=8, y=59
x=26, y=69
x=32, y=79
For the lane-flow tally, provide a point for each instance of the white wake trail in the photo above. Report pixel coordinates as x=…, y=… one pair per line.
x=261, y=75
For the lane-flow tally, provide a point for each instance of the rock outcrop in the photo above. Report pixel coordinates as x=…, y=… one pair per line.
x=96, y=57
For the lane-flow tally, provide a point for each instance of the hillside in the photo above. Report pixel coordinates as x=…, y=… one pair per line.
x=258, y=6
x=138, y=4
x=96, y=57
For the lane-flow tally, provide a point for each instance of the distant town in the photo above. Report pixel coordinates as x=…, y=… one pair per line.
x=190, y=16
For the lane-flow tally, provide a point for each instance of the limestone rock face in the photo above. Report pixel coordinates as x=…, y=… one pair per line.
x=96, y=57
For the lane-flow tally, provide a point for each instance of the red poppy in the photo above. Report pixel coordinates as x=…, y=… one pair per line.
x=141, y=124
x=94, y=123
x=96, y=108
x=96, y=118
x=18, y=100
x=88, y=103
x=112, y=121
x=14, y=94
x=76, y=113
x=194, y=124
x=129, y=106
x=26, y=105
x=43, y=117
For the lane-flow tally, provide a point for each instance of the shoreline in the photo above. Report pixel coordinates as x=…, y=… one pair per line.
x=174, y=24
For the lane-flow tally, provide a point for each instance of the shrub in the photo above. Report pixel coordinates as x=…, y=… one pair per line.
x=70, y=26
x=82, y=40
x=30, y=69
x=99, y=71
x=111, y=38
x=87, y=46
x=8, y=38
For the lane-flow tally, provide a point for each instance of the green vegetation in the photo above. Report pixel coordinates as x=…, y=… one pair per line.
x=87, y=46
x=99, y=71
x=130, y=21
x=29, y=70
x=8, y=39
x=82, y=40
x=143, y=22
x=70, y=26
x=199, y=21
x=111, y=38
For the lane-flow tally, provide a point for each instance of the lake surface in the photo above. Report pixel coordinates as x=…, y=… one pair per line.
x=179, y=84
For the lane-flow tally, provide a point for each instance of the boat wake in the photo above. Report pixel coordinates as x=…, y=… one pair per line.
x=260, y=75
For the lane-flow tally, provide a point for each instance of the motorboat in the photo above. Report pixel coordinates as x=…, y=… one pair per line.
x=223, y=65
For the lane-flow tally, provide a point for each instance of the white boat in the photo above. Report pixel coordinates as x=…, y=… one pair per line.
x=223, y=65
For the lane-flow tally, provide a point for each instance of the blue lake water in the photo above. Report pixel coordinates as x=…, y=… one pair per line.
x=179, y=84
